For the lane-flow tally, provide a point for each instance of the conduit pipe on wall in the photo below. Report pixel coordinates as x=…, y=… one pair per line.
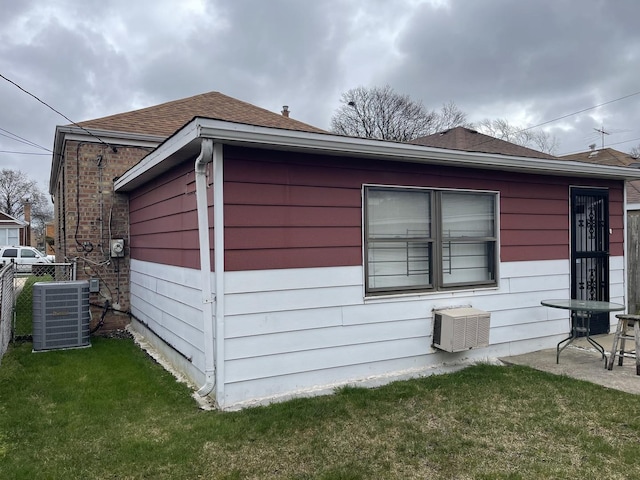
x=205, y=157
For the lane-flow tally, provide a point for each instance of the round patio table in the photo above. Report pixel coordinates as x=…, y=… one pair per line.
x=581, y=324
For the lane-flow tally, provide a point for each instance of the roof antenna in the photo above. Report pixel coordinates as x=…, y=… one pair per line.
x=602, y=132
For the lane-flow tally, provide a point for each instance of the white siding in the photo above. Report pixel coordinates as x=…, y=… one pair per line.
x=168, y=300
x=298, y=331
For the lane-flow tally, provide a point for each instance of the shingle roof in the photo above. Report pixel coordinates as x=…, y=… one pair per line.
x=616, y=158
x=461, y=138
x=167, y=118
x=605, y=156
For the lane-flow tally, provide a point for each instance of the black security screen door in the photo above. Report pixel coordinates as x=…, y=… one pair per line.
x=590, y=250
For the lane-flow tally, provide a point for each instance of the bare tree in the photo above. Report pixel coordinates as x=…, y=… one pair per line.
x=502, y=129
x=15, y=189
x=635, y=152
x=380, y=112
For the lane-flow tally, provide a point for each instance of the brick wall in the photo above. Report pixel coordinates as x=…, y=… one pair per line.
x=89, y=214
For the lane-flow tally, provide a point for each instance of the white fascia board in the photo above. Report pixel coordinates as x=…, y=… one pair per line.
x=171, y=146
x=330, y=144
x=632, y=206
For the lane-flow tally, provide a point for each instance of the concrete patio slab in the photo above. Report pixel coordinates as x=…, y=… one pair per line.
x=580, y=360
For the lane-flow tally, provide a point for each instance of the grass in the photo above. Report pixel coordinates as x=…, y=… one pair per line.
x=110, y=412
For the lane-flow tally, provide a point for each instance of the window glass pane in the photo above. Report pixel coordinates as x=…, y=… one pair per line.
x=401, y=214
x=466, y=263
x=13, y=236
x=10, y=252
x=26, y=253
x=399, y=264
x=468, y=215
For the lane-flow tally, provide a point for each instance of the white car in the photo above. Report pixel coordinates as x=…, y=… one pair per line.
x=22, y=256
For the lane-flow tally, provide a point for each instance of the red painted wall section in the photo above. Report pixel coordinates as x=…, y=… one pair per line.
x=289, y=210
x=164, y=220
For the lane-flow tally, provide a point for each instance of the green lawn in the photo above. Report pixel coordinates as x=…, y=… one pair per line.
x=109, y=411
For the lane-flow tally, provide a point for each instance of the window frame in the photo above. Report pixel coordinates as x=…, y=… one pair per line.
x=436, y=242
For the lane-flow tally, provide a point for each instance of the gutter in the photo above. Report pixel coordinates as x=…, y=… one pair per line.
x=205, y=157
x=329, y=144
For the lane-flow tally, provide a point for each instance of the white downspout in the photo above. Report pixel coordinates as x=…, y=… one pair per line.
x=218, y=261
x=206, y=156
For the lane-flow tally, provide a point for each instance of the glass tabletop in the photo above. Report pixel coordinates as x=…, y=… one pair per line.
x=583, y=305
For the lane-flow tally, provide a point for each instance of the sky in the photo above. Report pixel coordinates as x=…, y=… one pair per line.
x=531, y=62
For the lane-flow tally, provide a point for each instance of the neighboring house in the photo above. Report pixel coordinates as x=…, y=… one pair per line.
x=612, y=157
x=462, y=138
x=12, y=230
x=92, y=223
x=268, y=262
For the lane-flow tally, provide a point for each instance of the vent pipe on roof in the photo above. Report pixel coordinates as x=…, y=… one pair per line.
x=285, y=111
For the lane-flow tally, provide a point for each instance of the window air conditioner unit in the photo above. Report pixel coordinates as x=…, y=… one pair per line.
x=60, y=315
x=459, y=329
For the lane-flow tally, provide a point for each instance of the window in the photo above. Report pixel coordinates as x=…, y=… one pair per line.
x=10, y=253
x=425, y=240
x=27, y=253
x=9, y=236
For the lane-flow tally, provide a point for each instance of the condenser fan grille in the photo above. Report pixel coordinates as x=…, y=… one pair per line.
x=61, y=315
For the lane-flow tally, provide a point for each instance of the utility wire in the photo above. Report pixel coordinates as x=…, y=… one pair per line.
x=22, y=153
x=59, y=113
x=19, y=139
x=561, y=118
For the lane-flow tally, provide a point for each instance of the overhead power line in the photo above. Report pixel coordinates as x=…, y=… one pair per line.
x=564, y=116
x=22, y=153
x=56, y=111
x=20, y=139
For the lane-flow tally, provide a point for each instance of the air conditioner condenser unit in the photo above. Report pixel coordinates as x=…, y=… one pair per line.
x=61, y=315
x=459, y=329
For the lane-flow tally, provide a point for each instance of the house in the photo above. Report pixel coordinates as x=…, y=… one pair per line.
x=12, y=230
x=613, y=157
x=91, y=221
x=269, y=262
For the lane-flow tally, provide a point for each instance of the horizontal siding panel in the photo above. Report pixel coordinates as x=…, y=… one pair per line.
x=310, y=360
x=236, y=260
x=170, y=257
x=293, y=237
x=292, y=279
x=172, y=183
x=288, y=216
x=524, y=269
x=294, y=195
x=532, y=284
x=168, y=223
x=514, y=333
x=535, y=238
x=183, y=276
x=519, y=253
x=535, y=206
x=278, y=322
x=385, y=312
x=168, y=207
x=185, y=239
x=239, y=304
x=512, y=221
x=324, y=338
x=325, y=381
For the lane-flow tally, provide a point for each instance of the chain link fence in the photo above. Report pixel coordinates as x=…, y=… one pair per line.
x=6, y=307
x=24, y=278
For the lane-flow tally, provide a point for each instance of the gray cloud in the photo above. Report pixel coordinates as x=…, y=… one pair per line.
x=524, y=61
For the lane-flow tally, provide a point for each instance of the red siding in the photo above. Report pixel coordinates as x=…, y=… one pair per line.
x=287, y=210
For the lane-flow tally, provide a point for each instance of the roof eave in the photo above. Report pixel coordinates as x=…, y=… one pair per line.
x=279, y=139
x=63, y=132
